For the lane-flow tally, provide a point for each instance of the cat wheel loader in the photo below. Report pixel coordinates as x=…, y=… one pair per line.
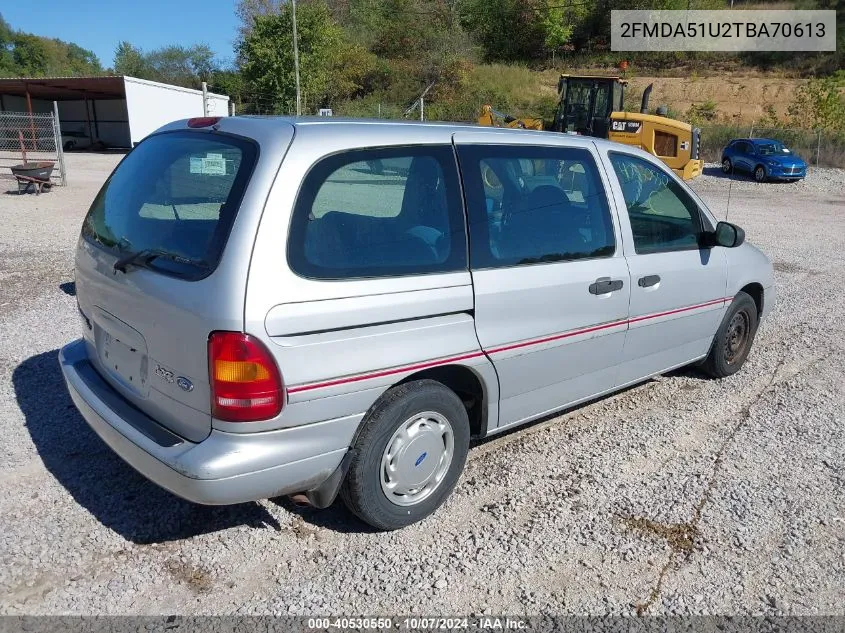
x=593, y=106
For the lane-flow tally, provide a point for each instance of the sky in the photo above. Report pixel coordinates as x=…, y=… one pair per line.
x=99, y=25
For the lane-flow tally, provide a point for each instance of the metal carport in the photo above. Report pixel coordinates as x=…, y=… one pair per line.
x=117, y=111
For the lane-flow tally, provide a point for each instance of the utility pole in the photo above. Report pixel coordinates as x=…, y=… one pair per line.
x=296, y=59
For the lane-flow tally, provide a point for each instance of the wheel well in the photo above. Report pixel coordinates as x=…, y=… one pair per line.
x=464, y=382
x=755, y=290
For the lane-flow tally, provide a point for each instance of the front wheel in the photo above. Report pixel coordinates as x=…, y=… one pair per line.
x=733, y=339
x=408, y=455
x=727, y=167
x=760, y=174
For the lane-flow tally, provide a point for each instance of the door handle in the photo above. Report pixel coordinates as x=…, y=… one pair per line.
x=648, y=281
x=604, y=285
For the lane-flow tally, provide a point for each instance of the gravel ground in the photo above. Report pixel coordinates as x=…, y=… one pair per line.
x=682, y=495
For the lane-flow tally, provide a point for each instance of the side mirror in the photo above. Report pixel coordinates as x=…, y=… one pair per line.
x=728, y=235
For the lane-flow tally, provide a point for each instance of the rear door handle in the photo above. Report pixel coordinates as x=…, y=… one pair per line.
x=648, y=281
x=604, y=285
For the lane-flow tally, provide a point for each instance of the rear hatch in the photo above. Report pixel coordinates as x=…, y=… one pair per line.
x=145, y=271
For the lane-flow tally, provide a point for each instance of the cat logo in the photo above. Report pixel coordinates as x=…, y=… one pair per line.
x=630, y=127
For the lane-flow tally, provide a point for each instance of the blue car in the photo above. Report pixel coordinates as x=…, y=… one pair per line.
x=765, y=158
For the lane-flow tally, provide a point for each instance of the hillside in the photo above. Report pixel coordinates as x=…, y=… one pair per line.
x=737, y=99
x=520, y=91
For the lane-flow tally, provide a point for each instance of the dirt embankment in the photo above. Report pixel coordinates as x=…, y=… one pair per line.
x=737, y=99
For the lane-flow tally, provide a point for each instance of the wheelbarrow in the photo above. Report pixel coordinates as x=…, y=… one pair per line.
x=35, y=175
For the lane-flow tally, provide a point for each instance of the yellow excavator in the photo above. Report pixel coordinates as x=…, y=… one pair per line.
x=593, y=106
x=490, y=117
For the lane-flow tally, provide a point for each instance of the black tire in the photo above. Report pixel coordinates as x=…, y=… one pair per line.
x=362, y=489
x=734, y=338
x=727, y=166
x=760, y=173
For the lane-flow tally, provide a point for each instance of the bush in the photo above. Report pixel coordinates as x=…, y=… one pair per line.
x=820, y=104
x=699, y=113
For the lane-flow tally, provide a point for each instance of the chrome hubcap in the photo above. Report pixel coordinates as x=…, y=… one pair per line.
x=417, y=458
x=726, y=166
x=760, y=173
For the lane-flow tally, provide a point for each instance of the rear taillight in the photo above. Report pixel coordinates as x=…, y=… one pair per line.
x=245, y=383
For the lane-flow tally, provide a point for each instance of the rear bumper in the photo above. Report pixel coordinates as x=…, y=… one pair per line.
x=225, y=468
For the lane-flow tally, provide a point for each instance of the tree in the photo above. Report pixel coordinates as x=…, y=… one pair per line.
x=27, y=55
x=248, y=10
x=330, y=66
x=178, y=65
x=228, y=82
x=508, y=30
x=182, y=66
x=129, y=60
x=819, y=104
x=6, y=46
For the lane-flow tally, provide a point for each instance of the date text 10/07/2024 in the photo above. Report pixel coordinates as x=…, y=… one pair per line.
x=492, y=623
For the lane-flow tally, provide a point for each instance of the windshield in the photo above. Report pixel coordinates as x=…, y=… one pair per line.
x=769, y=149
x=176, y=194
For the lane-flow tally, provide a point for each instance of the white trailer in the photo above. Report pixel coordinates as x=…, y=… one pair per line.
x=150, y=105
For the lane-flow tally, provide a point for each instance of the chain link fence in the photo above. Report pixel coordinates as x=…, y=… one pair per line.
x=816, y=147
x=31, y=138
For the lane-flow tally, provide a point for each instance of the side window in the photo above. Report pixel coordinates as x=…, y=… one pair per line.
x=663, y=216
x=530, y=205
x=665, y=144
x=379, y=213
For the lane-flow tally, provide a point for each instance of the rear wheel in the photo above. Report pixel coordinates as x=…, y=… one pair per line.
x=727, y=167
x=408, y=455
x=760, y=174
x=734, y=338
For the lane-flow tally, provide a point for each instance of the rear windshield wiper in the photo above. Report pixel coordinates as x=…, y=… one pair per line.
x=142, y=258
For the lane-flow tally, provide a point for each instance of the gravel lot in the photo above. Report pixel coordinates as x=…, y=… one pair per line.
x=682, y=495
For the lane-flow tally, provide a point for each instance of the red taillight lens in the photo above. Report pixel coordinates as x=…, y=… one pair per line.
x=245, y=383
x=203, y=121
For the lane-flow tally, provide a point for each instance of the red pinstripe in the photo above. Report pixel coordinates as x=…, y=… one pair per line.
x=668, y=312
x=386, y=372
x=557, y=337
x=496, y=350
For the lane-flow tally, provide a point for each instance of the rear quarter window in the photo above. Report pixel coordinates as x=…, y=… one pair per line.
x=382, y=212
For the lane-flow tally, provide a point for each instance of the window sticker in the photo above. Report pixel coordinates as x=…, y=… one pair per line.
x=209, y=165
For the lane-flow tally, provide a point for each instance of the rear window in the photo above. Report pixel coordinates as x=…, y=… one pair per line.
x=379, y=213
x=175, y=193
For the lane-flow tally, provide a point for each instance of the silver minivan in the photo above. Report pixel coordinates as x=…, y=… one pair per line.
x=277, y=306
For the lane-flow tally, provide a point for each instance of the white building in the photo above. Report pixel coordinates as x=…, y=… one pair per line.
x=116, y=111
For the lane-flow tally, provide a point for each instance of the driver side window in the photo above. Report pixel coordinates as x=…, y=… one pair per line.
x=534, y=205
x=663, y=216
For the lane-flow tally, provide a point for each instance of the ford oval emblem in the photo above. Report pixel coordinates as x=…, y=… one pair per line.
x=184, y=384
x=420, y=459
